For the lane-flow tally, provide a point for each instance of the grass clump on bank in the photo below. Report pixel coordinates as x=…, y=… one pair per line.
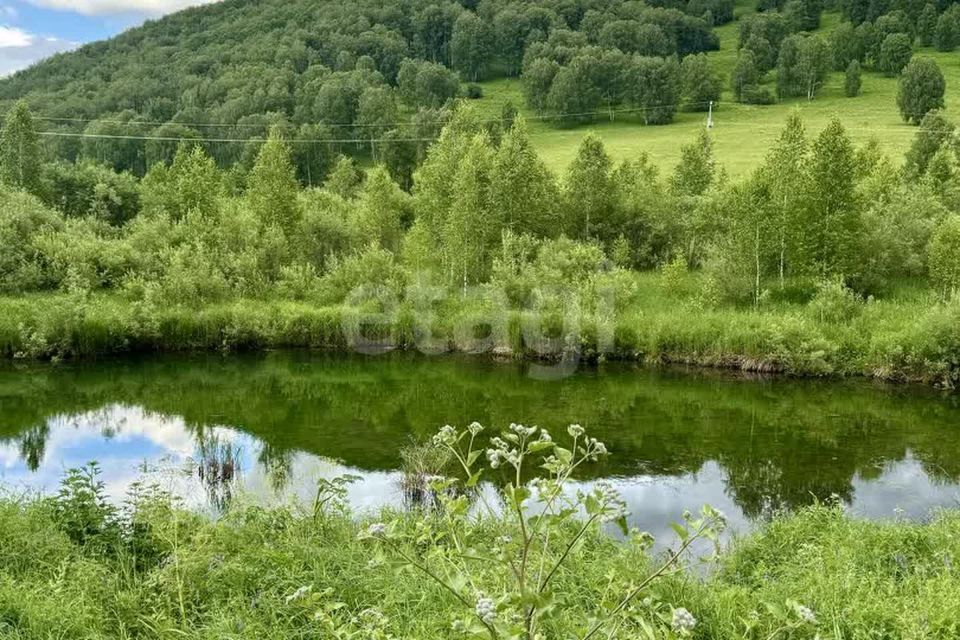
x=910, y=337
x=75, y=566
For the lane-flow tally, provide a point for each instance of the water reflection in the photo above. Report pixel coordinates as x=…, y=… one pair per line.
x=206, y=428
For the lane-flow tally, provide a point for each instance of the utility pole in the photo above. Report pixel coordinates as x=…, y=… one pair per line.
x=710, y=116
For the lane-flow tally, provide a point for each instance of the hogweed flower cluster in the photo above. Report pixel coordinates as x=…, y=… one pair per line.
x=537, y=537
x=683, y=621
x=612, y=506
x=486, y=609
x=805, y=614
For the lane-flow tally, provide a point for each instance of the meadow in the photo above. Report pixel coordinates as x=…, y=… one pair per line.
x=742, y=134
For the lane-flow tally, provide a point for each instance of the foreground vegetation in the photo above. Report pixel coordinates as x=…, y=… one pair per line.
x=74, y=566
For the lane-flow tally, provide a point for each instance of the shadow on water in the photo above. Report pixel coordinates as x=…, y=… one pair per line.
x=678, y=438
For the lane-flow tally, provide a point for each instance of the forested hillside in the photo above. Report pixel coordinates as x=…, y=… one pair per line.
x=336, y=73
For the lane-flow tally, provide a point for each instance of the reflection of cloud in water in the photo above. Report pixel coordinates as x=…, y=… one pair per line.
x=125, y=440
x=904, y=488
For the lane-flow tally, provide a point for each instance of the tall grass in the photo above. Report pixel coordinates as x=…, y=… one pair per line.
x=908, y=337
x=166, y=573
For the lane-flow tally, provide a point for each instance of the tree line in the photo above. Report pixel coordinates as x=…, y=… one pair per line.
x=483, y=210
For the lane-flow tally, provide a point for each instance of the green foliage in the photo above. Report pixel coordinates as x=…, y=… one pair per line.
x=802, y=66
x=330, y=573
x=927, y=24
x=426, y=84
x=192, y=183
x=22, y=219
x=346, y=178
x=272, y=186
x=696, y=171
x=846, y=45
x=589, y=191
x=934, y=131
x=831, y=220
x=946, y=35
x=745, y=75
x=471, y=46
x=701, y=85
x=920, y=89
x=20, y=161
x=895, y=53
x=944, y=257
x=85, y=188
x=851, y=80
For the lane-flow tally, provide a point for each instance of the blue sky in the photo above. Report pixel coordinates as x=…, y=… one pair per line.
x=34, y=29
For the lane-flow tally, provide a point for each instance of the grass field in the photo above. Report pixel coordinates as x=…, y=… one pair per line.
x=742, y=133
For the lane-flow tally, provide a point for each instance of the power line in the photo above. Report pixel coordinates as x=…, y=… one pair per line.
x=106, y=136
x=596, y=112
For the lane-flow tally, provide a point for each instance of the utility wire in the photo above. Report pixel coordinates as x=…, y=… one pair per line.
x=597, y=112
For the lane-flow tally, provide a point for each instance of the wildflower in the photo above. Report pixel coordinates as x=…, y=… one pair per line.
x=486, y=610
x=575, y=430
x=475, y=428
x=522, y=431
x=614, y=506
x=493, y=457
x=299, y=593
x=377, y=530
x=446, y=436
x=545, y=436
x=806, y=614
x=459, y=627
x=683, y=621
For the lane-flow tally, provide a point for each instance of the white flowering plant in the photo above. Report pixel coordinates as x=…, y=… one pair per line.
x=502, y=557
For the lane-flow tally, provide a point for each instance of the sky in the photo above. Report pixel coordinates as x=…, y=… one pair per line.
x=31, y=30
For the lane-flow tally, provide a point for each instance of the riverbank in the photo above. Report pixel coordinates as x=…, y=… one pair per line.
x=912, y=338
x=70, y=569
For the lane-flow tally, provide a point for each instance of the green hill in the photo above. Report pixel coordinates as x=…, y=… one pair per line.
x=343, y=78
x=742, y=134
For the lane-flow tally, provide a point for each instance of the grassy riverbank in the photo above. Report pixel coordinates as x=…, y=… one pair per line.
x=69, y=572
x=909, y=336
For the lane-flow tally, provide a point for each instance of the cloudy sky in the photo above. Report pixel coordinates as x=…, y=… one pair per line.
x=33, y=29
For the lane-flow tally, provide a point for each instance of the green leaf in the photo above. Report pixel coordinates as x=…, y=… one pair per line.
x=472, y=457
x=474, y=479
x=623, y=526
x=681, y=531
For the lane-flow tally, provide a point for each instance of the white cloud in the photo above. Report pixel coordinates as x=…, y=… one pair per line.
x=104, y=7
x=13, y=37
x=19, y=49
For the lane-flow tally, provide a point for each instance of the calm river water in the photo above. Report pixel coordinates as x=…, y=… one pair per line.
x=271, y=424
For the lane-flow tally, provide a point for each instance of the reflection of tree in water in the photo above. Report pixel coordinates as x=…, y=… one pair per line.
x=33, y=445
x=779, y=443
x=218, y=465
x=277, y=465
x=763, y=488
